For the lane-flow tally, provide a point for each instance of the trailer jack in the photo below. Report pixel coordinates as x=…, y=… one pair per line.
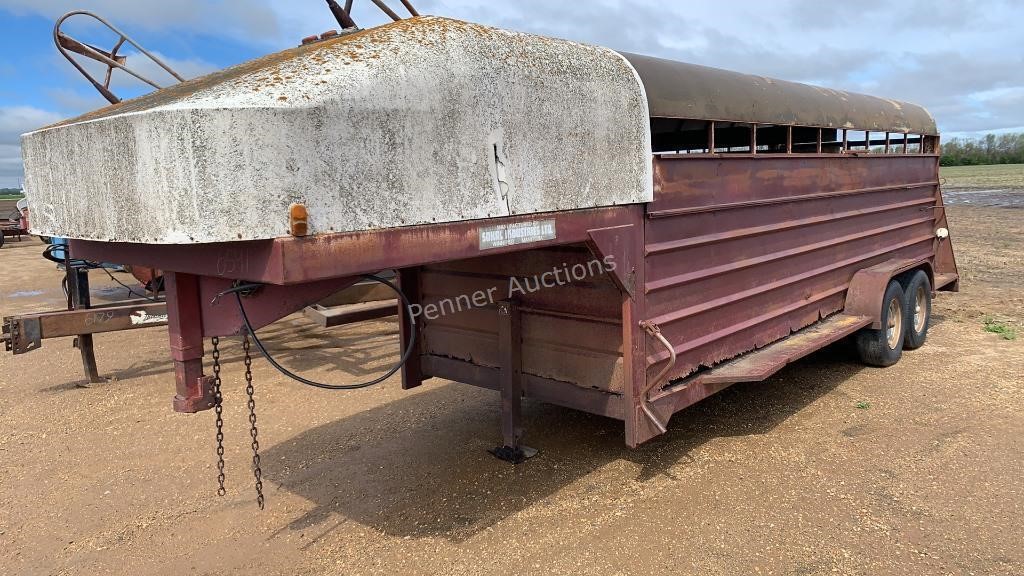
x=510, y=344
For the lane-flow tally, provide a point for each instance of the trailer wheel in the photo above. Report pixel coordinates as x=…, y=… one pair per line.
x=884, y=347
x=917, y=302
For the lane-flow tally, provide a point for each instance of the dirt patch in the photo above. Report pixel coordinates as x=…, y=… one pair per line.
x=993, y=197
x=828, y=467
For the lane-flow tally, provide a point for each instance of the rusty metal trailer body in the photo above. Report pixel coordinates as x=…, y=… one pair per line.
x=769, y=233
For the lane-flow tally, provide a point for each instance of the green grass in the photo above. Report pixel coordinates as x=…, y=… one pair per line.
x=1005, y=331
x=862, y=405
x=988, y=176
x=11, y=196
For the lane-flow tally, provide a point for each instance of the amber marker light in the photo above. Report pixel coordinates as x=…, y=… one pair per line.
x=298, y=219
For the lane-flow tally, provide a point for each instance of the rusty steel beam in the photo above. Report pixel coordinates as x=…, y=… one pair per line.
x=330, y=316
x=111, y=59
x=535, y=387
x=408, y=6
x=24, y=333
x=385, y=9
x=301, y=260
x=365, y=291
x=343, y=16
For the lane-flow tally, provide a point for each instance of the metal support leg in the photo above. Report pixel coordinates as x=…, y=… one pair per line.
x=184, y=326
x=412, y=370
x=78, y=289
x=510, y=353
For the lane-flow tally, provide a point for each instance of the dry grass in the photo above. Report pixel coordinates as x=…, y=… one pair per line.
x=984, y=177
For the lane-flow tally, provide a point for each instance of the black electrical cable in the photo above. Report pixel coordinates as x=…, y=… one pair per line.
x=127, y=287
x=48, y=254
x=79, y=263
x=238, y=290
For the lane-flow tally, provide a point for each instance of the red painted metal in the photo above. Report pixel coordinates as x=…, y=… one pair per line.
x=571, y=329
x=867, y=287
x=301, y=260
x=743, y=250
x=616, y=245
x=412, y=370
x=736, y=253
x=184, y=326
x=220, y=315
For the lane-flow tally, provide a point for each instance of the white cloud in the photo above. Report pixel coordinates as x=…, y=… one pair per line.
x=15, y=121
x=235, y=18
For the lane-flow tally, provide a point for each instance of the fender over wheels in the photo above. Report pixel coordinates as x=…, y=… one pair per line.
x=917, y=304
x=884, y=347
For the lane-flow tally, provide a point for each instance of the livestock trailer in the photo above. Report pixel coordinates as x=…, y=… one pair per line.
x=610, y=232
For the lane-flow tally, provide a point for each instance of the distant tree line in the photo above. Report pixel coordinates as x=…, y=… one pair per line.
x=9, y=191
x=990, y=149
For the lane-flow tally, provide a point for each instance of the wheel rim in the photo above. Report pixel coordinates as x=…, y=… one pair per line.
x=894, y=324
x=920, y=309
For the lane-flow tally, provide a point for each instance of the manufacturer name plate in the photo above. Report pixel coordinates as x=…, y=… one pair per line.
x=518, y=233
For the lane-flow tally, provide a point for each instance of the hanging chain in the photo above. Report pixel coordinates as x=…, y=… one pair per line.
x=218, y=409
x=250, y=391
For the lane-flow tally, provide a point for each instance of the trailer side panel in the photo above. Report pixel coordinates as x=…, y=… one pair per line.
x=742, y=250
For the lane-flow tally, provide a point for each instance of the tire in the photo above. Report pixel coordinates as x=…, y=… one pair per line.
x=884, y=347
x=917, y=305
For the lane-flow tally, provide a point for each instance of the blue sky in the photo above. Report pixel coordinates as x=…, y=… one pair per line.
x=963, y=61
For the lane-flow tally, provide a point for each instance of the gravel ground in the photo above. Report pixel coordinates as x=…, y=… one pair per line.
x=828, y=467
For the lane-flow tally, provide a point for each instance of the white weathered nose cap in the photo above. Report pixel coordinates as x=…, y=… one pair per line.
x=420, y=121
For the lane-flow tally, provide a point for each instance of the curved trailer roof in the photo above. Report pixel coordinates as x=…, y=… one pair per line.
x=681, y=90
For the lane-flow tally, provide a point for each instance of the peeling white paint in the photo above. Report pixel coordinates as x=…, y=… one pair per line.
x=141, y=317
x=389, y=127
